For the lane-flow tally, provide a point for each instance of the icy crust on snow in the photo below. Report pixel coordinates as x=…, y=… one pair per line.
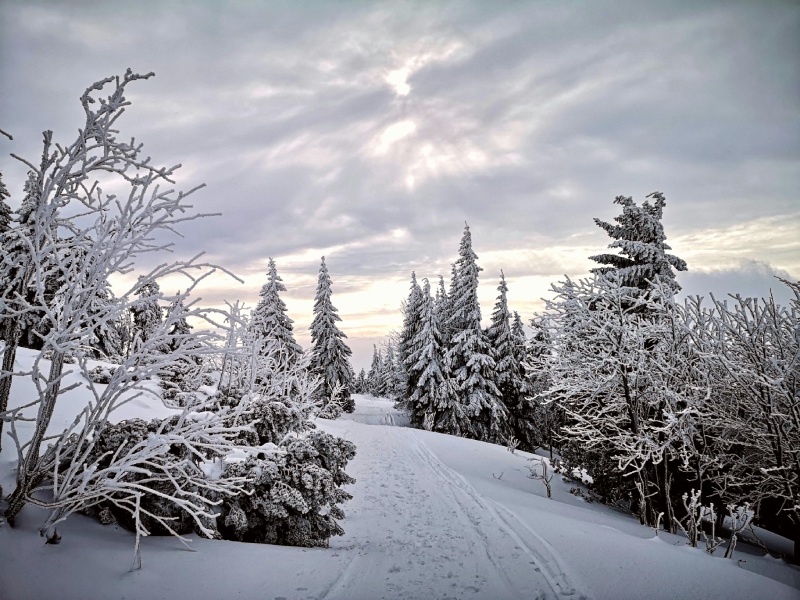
x=433, y=516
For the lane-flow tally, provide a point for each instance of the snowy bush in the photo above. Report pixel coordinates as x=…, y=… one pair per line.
x=294, y=474
x=293, y=495
x=101, y=374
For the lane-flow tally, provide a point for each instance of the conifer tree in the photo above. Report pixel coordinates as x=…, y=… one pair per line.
x=506, y=346
x=147, y=314
x=433, y=404
x=411, y=324
x=269, y=322
x=640, y=237
x=388, y=373
x=330, y=354
x=373, y=378
x=470, y=356
x=442, y=309
x=5, y=209
x=361, y=382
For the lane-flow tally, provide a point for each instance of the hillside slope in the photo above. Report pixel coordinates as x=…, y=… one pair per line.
x=432, y=517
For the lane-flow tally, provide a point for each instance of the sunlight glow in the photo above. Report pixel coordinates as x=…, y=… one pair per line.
x=394, y=133
x=398, y=80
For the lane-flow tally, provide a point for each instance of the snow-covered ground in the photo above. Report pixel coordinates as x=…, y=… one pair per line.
x=433, y=516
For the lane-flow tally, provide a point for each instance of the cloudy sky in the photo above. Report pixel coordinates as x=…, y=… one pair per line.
x=370, y=132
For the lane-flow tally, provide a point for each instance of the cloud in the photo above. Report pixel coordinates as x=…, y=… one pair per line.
x=329, y=127
x=750, y=278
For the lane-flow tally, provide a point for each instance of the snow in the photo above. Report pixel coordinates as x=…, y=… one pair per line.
x=433, y=516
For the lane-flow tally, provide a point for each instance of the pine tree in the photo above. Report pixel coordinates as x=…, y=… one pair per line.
x=433, y=405
x=373, y=378
x=28, y=327
x=269, y=322
x=411, y=324
x=507, y=374
x=5, y=209
x=388, y=373
x=640, y=237
x=442, y=309
x=361, y=382
x=147, y=314
x=470, y=356
x=330, y=354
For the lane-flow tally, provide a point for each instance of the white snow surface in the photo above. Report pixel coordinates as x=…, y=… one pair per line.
x=433, y=516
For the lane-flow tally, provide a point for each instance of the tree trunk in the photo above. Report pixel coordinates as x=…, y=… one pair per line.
x=9, y=356
x=30, y=474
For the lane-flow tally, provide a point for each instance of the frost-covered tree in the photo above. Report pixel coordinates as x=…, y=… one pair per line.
x=411, y=310
x=433, y=405
x=109, y=234
x=270, y=321
x=507, y=338
x=441, y=306
x=5, y=209
x=388, y=373
x=639, y=236
x=469, y=357
x=361, y=382
x=749, y=353
x=330, y=355
x=374, y=380
x=23, y=317
x=543, y=427
x=626, y=415
x=146, y=311
x=107, y=338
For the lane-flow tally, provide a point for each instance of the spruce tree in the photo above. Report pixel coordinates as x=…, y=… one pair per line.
x=388, y=373
x=330, y=354
x=411, y=324
x=507, y=373
x=442, y=309
x=361, y=382
x=269, y=322
x=5, y=209
x=373, y=378
x=640, y=237
x=433, y=405
x=146, y=312
x=470, y=356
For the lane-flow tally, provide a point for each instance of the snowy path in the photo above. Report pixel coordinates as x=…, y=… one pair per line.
x=422, y=531
x=432, y=516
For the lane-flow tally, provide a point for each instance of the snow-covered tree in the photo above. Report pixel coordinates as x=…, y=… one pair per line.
x=388, y=373
x=108, y=233
x=640, y=237
x=5, y=209
x=543, y=427
x=507, y=337
x=411, y=310
x=270, y=321
x=441, y=306
x=433, y=405
x=469, y=357
x=626, y=416
x=361, y=382
x=374, y=381
x=749, y=351
x=330, y=355
x=146, y=311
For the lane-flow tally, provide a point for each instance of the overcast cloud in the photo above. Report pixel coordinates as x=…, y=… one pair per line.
x=371, y=131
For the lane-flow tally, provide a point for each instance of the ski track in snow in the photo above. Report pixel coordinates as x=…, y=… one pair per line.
x=422, y=531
